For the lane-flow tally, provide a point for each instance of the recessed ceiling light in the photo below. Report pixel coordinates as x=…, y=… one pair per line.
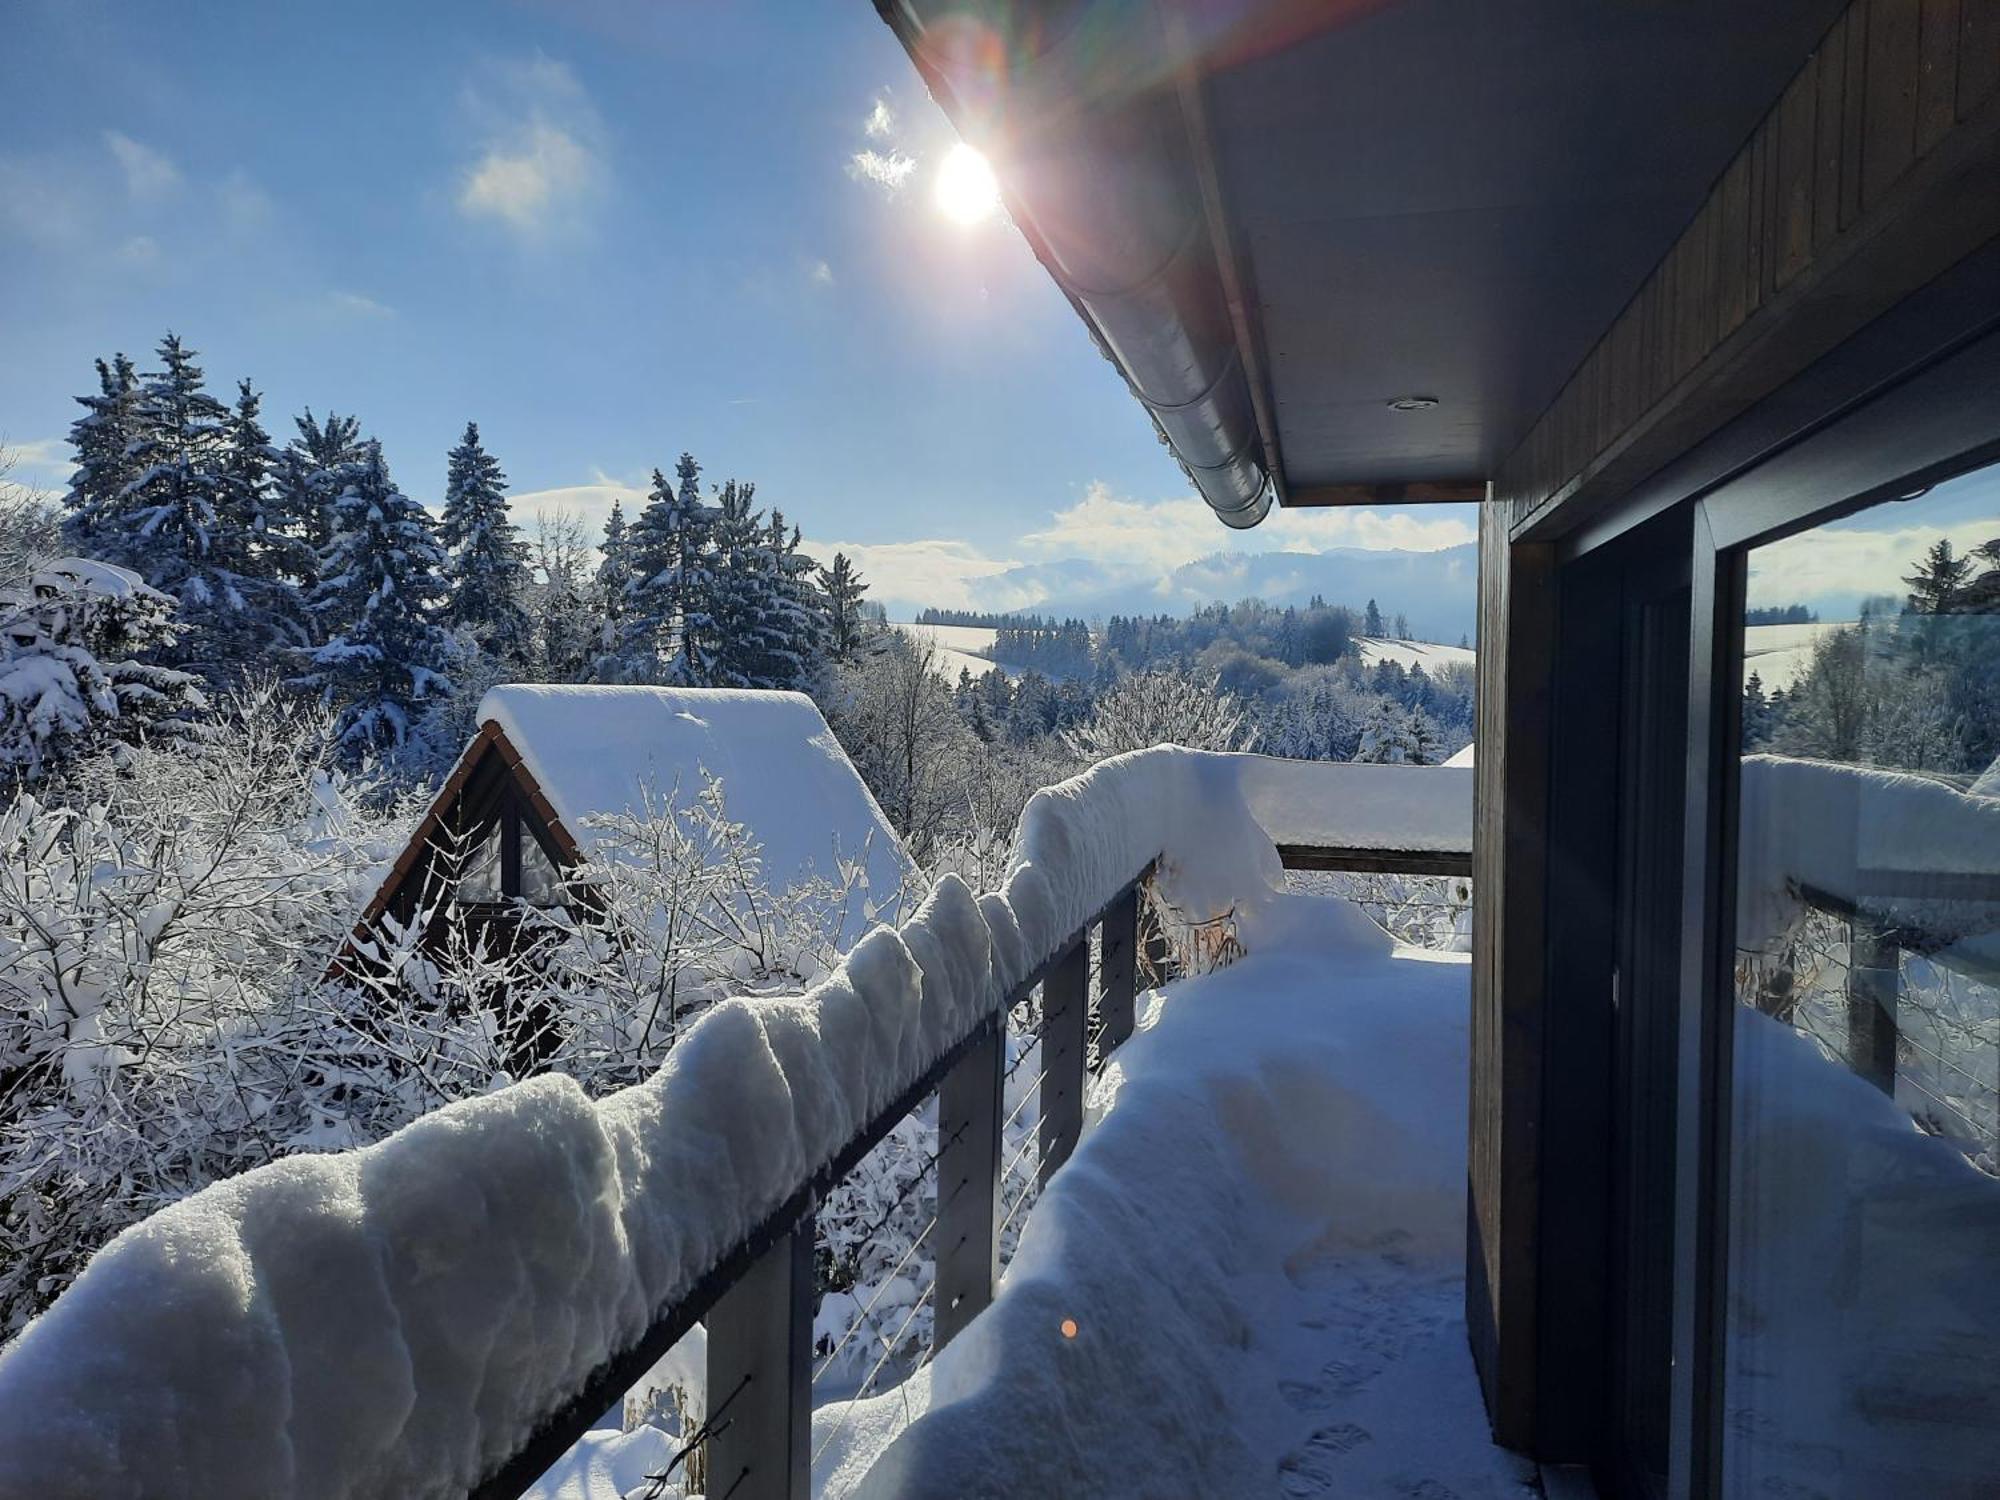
x=1413, y=403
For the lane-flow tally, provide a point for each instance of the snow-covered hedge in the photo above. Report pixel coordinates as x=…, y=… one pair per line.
x=394, y=1320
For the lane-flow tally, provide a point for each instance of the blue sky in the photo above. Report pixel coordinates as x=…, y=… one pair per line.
x=607, y=231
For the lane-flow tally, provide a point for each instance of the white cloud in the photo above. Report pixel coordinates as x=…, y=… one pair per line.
x=1157, y=536
x=592, y=501
x=1124, y=542
x=149, y=174
x=881, y=121
x=539, y=161
x=357, y=305
x=1842, y=563
x=887, y=171
x=937, y=571
x=140, y=250
x=820, y=274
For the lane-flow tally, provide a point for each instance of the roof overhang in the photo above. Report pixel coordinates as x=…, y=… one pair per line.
x=1346, y=252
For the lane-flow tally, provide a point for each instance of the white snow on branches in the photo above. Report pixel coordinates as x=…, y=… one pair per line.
x=395, y=1319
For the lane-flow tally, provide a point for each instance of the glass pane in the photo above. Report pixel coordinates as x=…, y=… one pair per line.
x=541, y=882
x=1863, y=1302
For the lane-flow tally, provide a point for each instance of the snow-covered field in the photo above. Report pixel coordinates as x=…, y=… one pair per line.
x=960, y=647
x=1407, y=654
x=1778, y=654
x=1248, y=1279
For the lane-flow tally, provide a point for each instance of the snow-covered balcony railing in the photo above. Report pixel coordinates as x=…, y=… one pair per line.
x=1885, y=881
x=447, y=1312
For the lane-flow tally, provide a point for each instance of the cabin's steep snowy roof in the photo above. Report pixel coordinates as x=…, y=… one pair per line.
x=609, y=750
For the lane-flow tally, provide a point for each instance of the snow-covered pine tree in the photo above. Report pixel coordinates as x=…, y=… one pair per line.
x=646, y=620
x=769, y=624
x=693, y=583
x=381, y=580
x=312, y=472
x=1383, y=735
x=803, y=613
x=166, y=522
x=104, y=438
x=487, y=577
x=1420, y=739
x=70, y=636
x=672, y=618
x=843, y=586
x=268, y=560
x=743, y=604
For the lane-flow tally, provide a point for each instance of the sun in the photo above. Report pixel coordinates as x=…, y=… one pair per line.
x=966, y=192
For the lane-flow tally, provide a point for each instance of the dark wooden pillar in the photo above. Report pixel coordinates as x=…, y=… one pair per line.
x=760, y=1363
x=968, y=1244
x=1517, y=635
x=1874, y=989
x=1065, y=1012
x=1118, y=963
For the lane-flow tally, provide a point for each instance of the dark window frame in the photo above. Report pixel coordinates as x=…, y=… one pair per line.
x=1935, y=424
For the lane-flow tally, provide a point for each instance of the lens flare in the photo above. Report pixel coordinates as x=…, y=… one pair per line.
x=966, y=192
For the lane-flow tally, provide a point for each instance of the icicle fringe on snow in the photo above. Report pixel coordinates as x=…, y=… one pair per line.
x=397, y=1320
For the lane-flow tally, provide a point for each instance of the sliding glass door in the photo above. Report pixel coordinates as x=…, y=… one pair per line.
x=1859, y=1350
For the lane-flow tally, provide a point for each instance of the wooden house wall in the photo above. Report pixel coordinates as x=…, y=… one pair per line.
x=1873, y=173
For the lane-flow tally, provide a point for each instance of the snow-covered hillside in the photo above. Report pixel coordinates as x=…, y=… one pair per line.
x=1406, y=654
x=1778, y=654
x=960, y=648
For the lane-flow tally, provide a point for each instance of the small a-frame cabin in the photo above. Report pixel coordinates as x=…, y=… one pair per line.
x=520, y=808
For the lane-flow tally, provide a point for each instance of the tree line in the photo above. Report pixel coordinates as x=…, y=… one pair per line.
x=220, y=554
x=1911, y=686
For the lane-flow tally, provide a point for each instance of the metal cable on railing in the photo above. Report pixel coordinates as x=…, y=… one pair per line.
x=867, y=1386
x=866, y=1316
x=656, y=1484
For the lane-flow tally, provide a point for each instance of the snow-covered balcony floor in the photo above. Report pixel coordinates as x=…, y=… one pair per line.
x=1248, y=1280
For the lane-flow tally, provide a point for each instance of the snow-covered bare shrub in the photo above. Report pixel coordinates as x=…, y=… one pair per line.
x=893, y=712
x=70, y=633
x=1164, y=706
x=153, y=927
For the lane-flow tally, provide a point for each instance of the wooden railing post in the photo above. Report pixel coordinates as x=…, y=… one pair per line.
x=760, y=1376
x=968, y=1246
x=1118, y=963
x=1065, y=1015
x=1874, y=989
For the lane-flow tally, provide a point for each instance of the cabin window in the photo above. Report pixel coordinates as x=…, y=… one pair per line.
x=479, y=874
x=541, y=881
x=1862, y=1301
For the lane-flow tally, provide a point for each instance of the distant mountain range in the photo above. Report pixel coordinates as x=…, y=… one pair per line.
x=1438, y=591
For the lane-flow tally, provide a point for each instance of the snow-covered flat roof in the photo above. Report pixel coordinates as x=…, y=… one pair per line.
x=605, y=751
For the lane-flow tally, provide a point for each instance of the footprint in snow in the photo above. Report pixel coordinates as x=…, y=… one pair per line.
x=1308, y=1469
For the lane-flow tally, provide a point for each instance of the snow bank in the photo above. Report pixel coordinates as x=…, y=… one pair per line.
x=1260, y=1249
x=1352, y=806
x=1867, y=836
x=394, y=1321
x=611, y=750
